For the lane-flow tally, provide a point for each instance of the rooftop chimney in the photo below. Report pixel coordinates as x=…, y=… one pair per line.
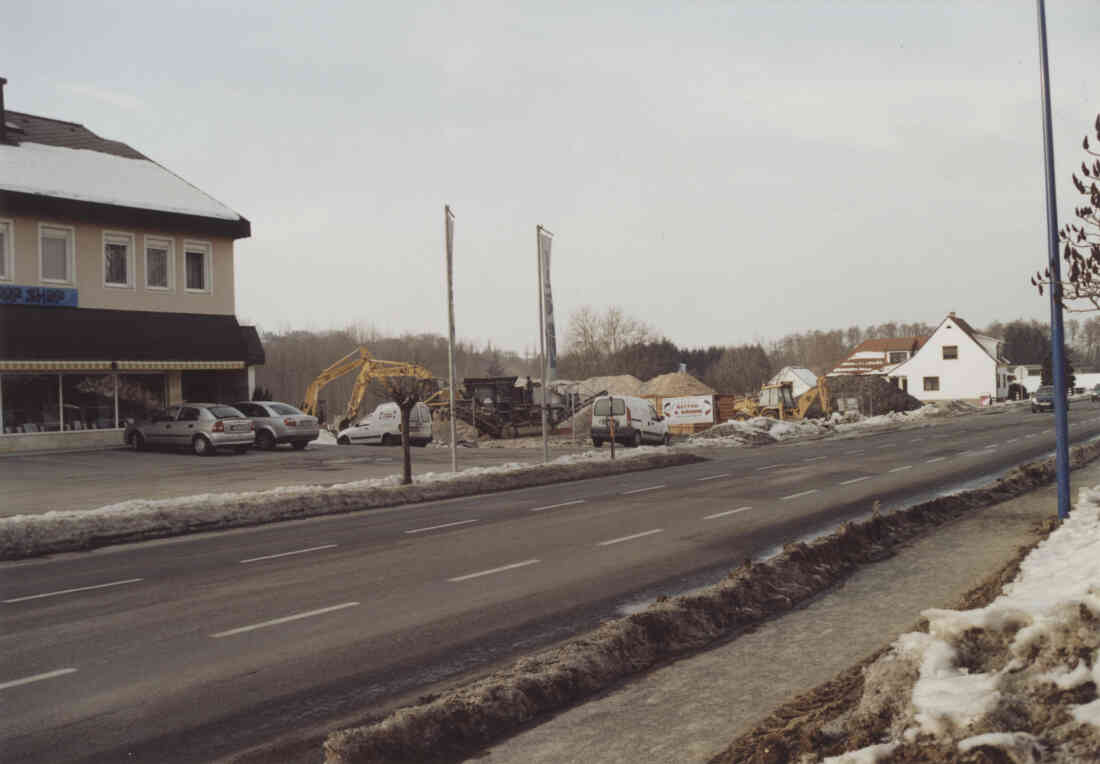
x=3, y=114
x=951, y=314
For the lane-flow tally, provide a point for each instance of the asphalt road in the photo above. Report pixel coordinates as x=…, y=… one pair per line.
x=194, y=648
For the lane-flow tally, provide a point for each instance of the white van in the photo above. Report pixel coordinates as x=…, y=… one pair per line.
x=383, y=425
x=636, y=421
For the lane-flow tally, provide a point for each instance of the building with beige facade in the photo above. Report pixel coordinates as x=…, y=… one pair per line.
x=116, y=288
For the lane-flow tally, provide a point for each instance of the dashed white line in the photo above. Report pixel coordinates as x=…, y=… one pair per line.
x=643, y=490
x=284, y=619
x=856, y=480
x=814, y=458
x=71, y=591
x=853, y=453
x=37, y=678
x=555, y=506
x=800, y=493
x=902, y=469
x=288, y=554
x=630, y=537
x=713, y=477
x=727, y=512
x=491, y=571
x=1011, y=440
x=444, y=525
x=936, y=459
x=769, y=467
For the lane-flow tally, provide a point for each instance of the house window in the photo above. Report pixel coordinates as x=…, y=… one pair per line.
x=950, y=352
x=197, y=266
x=931, y=384
x=897, y=356
x=55, y=253
x=6, y=247
x=118, y=259
x=159, y=263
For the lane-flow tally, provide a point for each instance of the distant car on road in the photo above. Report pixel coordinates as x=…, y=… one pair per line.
x=277, y=423
x=202, y=427
x=1044, y=399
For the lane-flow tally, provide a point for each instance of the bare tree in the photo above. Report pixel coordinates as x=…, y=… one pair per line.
x=406, y=392
x=1079, y=289
x=594, y=338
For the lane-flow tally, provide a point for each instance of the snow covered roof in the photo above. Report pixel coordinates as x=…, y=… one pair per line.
x=65, y=160
x=801, y=372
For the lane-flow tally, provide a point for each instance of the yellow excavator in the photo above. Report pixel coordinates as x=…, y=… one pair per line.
x=369, y=369
x=778, y=401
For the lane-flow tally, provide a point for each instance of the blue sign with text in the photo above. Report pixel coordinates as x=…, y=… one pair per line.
x=53, y=297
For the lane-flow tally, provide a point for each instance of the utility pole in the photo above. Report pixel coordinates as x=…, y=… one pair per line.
x=1058, y=350
x=448, y=234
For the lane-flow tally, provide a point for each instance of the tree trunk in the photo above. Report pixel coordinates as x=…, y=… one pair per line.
x=406, y=455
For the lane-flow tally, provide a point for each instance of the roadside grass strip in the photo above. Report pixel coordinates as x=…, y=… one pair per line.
x=24, y=536
x=73, y=591
x=37, y=678
x=492, y=571
x=284, y=619
x=464, y=721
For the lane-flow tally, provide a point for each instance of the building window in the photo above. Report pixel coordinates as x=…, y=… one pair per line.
x=159, y=264
x=931, y=384
x=88, y=401
x=55, y=253
x=6, y=249
x=32, y=403
x=196, y=264
x=118, y=259
x=950, y=352
x=897, y=356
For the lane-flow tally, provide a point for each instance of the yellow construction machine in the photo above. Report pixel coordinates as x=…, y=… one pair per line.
x=778, y=402
x=369, y=369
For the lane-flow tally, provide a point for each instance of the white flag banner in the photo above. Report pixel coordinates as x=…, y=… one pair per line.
x=545, y=240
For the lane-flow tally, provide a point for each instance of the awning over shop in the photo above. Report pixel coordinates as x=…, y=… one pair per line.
x=123, y=339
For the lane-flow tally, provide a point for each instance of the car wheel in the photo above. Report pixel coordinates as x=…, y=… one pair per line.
x=344, y=441
x=387, y=439
x=137, y=441
x=637, y=439
x=596, y=443
x=202, y=446
x=298, y=445
x=265, y=440
x=666, y=440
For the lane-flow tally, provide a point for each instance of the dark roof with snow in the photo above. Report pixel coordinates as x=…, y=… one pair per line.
x=70, y=135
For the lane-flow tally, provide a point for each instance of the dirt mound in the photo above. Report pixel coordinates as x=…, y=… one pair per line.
x=623, y=384
x=676, y=384
x=873, y=394
x=441, y=431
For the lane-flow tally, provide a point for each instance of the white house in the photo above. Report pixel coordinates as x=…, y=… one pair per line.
x=801, y=379
x=956, y=363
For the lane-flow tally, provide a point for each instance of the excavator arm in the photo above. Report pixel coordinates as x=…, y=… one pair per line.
x=349, y=362
x=375, y=369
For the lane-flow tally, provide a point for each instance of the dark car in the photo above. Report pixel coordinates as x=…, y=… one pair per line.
x=1044, y=399
x=1094, y=394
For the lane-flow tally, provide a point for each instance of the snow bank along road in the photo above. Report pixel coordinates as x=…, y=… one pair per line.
x=193, y=648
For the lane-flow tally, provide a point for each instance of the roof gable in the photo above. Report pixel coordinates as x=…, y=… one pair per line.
x=967, y=330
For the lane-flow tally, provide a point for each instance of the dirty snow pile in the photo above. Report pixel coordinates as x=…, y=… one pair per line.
x=1016, y=680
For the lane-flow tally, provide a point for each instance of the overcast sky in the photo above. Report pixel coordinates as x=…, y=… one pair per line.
x=725, y=171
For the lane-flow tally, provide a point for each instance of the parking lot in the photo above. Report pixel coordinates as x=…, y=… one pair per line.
x=36, y=483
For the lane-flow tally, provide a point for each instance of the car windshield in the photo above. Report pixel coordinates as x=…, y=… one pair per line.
x=225, y=412
x=283, y=409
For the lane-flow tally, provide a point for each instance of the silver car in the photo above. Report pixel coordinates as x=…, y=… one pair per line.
x=277, y=423
x=201, y=427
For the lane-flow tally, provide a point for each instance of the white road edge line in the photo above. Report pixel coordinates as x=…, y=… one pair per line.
x=630, y=538
x=800, y=493
x=555, y=506
x=284, y=619
x=769, y=467
x=853, y=453
x=935, y=459
x=490, y=572
x=902, y=469
x=814, y=458
x=856, y=480
x=444, y=525
x=642, y=490
x=37, y=678
x=727, y=512
x=713, y=477
x=70, y=591
x=288, y=554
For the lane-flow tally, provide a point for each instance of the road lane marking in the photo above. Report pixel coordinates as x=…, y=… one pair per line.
x=937, y=459
x=444, y=525
x=555, y=506
x=856, y=480
x=713, y=477
x=902, y=469
x=853, y=453
x=888, y=445
x=491, y=571
x=288, y=554
x=643, y=490
x=70, y=591
x=769, y=467
x=814, y=458
x=800, y=493
x=630, y=538
x=284, y=619
x=727, y=512
x=37, y=678
x=1011, y=440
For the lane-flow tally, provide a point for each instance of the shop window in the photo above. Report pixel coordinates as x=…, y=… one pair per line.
x=31, y=403
x=139, y=395
x=88, y=401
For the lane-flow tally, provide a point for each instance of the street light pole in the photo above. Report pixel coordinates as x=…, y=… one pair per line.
x=1058, y=351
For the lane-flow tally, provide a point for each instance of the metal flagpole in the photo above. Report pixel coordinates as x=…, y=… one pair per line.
x=448, y=232
x=542, y=345
x=1058, y=359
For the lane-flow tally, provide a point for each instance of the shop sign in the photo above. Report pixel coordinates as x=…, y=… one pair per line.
x=693, y=409
x=53, y=297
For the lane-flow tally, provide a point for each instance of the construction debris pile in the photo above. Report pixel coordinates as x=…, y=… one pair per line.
x=869, y=394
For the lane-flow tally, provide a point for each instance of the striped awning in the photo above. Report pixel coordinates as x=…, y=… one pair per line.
x=120, y=365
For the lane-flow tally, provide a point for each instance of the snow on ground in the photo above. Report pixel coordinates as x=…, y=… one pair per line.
x=1019, y=675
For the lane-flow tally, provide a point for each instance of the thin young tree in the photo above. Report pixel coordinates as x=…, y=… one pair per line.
x=406, y=392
